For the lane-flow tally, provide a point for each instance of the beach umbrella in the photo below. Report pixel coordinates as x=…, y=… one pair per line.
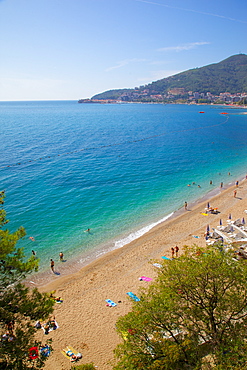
x=243, y=221
x=208, y=205
x=231, y=229
x=220, y=222
x=208, y=228
x=206, y=237
x=230, y=216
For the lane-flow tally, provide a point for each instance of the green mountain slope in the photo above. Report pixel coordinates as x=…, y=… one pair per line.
x=229, y=75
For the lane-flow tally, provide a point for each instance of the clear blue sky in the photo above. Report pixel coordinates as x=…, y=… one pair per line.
x=72, y=49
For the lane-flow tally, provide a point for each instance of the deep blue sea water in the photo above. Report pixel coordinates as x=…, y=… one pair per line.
x=117, y=169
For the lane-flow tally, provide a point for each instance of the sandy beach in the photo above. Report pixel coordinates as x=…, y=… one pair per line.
x=85, y=321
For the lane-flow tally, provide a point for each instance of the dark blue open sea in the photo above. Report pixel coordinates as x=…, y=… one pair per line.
x=117, y=169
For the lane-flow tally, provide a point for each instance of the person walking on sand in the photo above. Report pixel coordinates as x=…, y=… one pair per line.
x=61, y=256
x=176, y=250
x=185, y=205
x=172, y=249
x=235, y=193
x=52, y=265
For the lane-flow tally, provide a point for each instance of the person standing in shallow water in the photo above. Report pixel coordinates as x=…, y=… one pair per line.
x=52, y=265
x=185, y=205
x=61, y=256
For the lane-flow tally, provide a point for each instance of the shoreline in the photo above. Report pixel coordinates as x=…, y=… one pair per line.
x=45, y=277
x=85, y=322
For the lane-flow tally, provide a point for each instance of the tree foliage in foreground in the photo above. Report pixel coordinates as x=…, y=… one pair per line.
x=20, y=306
x=194, y=316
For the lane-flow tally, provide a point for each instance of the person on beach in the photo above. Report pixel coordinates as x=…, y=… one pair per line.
x=221, y=184
x=235, y=193
x=236, y=183
x=176, y=250
x=52, y=265
x=172, y=249
x=33, y=253
x=61, y=256
x=72, y=355
x=185, y=205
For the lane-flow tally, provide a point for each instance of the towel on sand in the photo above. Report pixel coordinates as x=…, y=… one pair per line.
x=110, y=303
x=133, y=296
x=145, y=278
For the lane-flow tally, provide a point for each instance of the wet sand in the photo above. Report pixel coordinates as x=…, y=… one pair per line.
x=85, y=322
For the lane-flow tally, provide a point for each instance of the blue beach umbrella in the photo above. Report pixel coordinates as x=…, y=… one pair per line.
x=220, y=222
x=243, y=221
x=208, y=228
x=230, y=216
x=208, y=205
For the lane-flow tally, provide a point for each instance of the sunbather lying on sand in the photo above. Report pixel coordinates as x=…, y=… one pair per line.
x=73, y=356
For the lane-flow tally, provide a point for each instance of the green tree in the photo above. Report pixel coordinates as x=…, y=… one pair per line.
x=20, y=306
x=194, y=316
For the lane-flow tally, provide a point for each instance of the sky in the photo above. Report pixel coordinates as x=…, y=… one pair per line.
x=73, y=49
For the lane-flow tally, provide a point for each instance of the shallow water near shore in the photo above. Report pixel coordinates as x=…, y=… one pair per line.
x=116, y=169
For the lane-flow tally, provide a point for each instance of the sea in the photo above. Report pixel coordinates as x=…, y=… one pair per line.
x=115, y=169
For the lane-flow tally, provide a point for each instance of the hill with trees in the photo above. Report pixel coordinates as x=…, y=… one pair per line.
x=229, y=75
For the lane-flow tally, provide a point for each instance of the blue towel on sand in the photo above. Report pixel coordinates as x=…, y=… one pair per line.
x=133, y=296
x=165, y=258
x=110, y=303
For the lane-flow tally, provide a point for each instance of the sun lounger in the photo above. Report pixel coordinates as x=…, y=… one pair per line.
x=228, y=229
x=237, y=222
x=228, y=240
x=244, y=233
x=239, y=236
x=215, y=235
x=210, y=242
x=220, y=227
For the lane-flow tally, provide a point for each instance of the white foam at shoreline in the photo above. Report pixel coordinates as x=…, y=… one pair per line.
x=137, y=234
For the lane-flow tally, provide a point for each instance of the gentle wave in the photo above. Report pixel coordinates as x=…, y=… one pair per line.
x=137, y=234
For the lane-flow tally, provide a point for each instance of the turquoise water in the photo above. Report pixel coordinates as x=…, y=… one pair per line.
x=116, y=169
